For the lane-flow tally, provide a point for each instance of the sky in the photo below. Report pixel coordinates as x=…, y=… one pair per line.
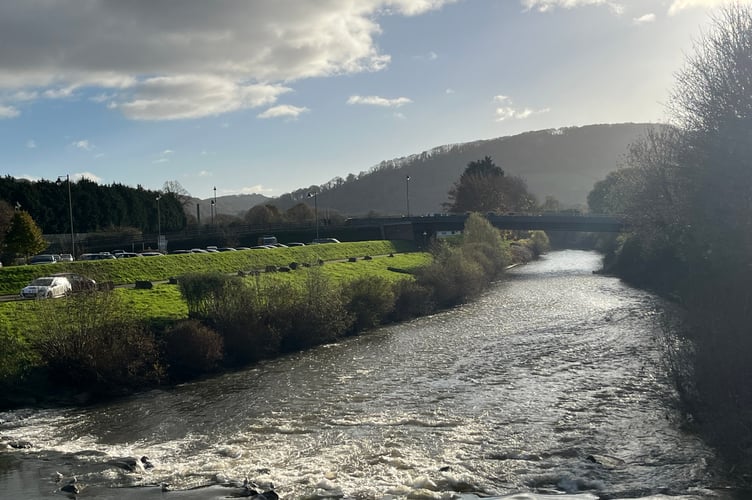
x=269, y=96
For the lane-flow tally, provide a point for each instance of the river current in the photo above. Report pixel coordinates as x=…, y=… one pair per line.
x=549, y=385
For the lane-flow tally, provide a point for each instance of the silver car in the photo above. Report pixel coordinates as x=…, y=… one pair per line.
x=47, y=287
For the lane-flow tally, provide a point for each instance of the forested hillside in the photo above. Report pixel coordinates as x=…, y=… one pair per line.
x=563, y=163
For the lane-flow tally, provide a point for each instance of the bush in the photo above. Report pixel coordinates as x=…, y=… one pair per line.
x=94, y=341
x=369, y=300
x=311, y=316
x=452, y=277
x=411, y=300
x=521, y=253
x=245, y=321
x=203, y=292
x=191, y=349
x=540, y=242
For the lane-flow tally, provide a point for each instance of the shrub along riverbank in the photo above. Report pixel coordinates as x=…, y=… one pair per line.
x=106, y=343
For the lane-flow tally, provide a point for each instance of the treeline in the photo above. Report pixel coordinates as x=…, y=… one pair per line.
x=686, y=191
x=95, y=207
x=94, y=342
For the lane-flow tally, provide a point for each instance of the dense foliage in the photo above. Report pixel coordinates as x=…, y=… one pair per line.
x=95, y=207
x=687, y=193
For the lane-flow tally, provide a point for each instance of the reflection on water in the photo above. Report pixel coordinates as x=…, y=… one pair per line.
x=549, y=384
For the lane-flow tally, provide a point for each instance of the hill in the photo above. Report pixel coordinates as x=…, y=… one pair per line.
x=563, y=163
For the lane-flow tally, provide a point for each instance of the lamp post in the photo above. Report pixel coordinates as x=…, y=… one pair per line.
x=407, y=193
x=214, y=202
x=159, y=224
x=315, y=197
x=70, y=210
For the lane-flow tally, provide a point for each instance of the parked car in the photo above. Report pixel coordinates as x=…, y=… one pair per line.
x=97, y=256
x=45, y=258
x=180, y=251
x=226, y=249
x=47, y=287
x=296, y=244
x=127, y=255
x=66, y=257
x=151, y=254
x=78, y=282
x=324, y=240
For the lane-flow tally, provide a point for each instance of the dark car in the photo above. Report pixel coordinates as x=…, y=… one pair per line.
x=45, y=258
x=97, y=256
x=78, y=282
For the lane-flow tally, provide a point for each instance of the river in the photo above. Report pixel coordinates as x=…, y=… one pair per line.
x=548, y=385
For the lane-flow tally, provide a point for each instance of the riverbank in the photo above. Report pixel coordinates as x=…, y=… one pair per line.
x=100, y=345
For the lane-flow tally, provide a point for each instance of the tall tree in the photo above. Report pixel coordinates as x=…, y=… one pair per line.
x=483, y=187
x=24, y=237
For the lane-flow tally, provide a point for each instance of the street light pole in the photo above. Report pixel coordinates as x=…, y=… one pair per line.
x=214, y=203
x=407, y=193
x=159, y=224
x=315, y=197
x=70, y=211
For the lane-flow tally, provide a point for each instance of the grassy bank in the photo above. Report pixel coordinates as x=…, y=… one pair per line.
x=117, y=271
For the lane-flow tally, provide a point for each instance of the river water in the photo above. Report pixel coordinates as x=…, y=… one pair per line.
x=548, y=385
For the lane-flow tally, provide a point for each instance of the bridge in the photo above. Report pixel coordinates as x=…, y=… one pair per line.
x=421, y=227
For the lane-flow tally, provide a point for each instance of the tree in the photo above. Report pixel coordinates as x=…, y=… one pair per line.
x=712, y=103
x=690, y=206
x=6, y=219
x=483, y=187
x=177, y=189
x=24, y=237
x=262, y=215
x=299, y=213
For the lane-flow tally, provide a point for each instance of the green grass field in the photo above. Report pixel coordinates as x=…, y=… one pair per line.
x=164, y=303
x=14, y=278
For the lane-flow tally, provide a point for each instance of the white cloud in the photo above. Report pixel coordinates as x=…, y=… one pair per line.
x=200, y=60
x=31, y=144
x=257, y=189
x=449, y=91
x=283, y=111
x=86, y=175
x=549, y=5
x=83, y=145
x=679, y=5
x=373, y=100
x=194, y=96
x=164, y=156
x=645, y=19
x=8, y=112
x=507, y=110
x=205, y=173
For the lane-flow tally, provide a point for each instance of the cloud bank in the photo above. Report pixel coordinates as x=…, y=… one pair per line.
x=187, y=59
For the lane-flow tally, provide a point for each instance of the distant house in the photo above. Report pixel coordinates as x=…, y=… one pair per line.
x=447, y=234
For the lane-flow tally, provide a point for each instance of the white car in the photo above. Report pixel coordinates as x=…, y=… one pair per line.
x=47, y=287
